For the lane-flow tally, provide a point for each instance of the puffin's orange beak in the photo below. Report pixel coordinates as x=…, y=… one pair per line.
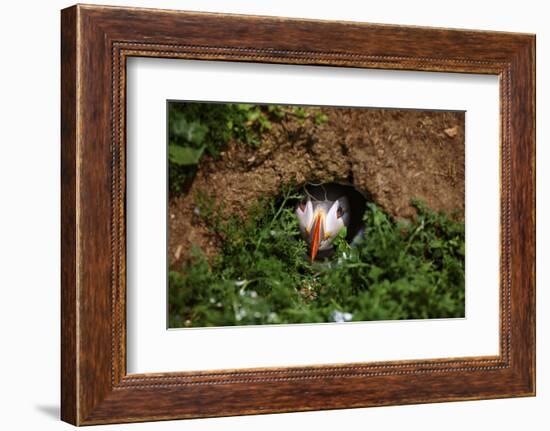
x=316, y=237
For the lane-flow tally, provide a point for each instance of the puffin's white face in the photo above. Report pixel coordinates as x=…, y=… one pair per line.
x=321, y=221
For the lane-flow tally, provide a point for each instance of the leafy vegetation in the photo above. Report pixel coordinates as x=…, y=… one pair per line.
x=397, y=270
x=195, y=129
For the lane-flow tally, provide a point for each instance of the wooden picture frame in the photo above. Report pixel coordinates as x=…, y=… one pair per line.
x=95, y=43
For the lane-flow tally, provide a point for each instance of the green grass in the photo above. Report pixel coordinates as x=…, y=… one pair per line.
x=400, y=270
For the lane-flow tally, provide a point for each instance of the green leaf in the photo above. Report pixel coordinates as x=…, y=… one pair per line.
x=375, y=272
x=196, y=132
x=300, y=112
x=436, y=243
x=320, y=118
x=191, y=131
x=253, y=115
x=244, y=106
x=184, y=156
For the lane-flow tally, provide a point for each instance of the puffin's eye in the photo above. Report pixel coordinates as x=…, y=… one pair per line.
x=302, y=205
x=339, y=212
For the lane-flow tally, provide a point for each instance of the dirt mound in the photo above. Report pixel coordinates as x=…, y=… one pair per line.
x=390, y=155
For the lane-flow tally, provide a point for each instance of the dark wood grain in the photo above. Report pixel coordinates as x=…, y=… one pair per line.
x=96, y=41
x=69, y=397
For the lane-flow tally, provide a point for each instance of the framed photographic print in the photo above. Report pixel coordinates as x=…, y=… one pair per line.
x=264, y=214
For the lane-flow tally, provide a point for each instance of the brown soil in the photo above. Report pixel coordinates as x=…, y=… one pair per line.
x=390, y=155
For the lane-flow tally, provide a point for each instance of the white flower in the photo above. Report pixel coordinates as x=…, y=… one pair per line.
x=240, y=314
x=340, y=317
x=253, y=294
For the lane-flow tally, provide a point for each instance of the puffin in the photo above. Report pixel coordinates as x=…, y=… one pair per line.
x=323, y=211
